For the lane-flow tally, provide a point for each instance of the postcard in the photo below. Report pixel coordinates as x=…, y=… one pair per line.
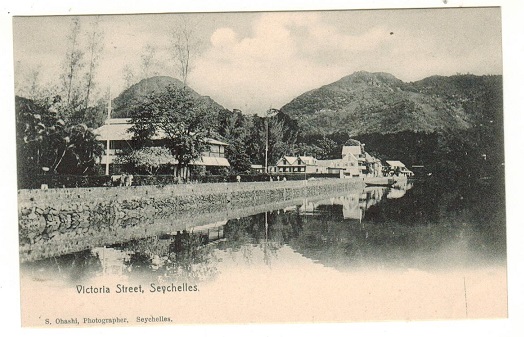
x=343, y=165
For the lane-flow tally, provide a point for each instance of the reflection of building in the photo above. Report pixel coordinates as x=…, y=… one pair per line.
x=117, y=139
x=351, y=207
x=399, y=189
x=354, y=205
x=112, y=260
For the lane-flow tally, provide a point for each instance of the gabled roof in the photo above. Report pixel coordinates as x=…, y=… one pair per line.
x=308, y=160
x=290, y=160
x=349, y=156
x=356, y=150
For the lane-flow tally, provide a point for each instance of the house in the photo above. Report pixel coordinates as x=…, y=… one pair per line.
x=350, y=163
x=297, y=164
x=257, y=168
x=367, y=164
x=373, y=166
x=397, y=167
x=117, y=139
x=356, y=151
x=330, y=166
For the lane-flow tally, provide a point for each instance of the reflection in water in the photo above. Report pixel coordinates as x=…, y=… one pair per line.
x=400, y=188
x=406, y=226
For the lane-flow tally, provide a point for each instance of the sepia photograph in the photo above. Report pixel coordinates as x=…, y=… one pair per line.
x=260, y=167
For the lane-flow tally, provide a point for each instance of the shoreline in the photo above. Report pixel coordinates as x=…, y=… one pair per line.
x=63, y=221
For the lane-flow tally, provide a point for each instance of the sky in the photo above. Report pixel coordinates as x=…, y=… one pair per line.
x=254, y=61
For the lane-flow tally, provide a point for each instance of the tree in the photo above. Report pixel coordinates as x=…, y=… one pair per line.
x=81, y=152
x=306, y=149
x=234, y=128
x=46, y=142
x=34, y=84
x=174, y=117
x=184, y=46
x=128, y=76
x=149, y=61
x=274, y=131
x=149, y=159
x=73, y=63
x=329, y=148
x=95, y=46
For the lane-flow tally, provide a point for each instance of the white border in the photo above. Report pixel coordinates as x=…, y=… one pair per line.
x=513, y=56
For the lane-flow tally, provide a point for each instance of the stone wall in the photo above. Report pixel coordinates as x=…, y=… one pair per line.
x=59, y=221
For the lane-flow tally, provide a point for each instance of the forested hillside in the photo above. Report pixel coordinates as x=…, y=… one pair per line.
x=452, y=125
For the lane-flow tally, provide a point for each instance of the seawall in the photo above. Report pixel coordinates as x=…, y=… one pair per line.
x=60, y=221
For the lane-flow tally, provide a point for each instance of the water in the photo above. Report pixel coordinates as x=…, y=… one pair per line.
x=415, y=247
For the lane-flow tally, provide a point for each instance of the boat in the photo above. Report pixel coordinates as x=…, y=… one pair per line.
x=380, y=182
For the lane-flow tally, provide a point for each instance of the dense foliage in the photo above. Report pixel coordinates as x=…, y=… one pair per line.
x=174, y=117
x=48, y=142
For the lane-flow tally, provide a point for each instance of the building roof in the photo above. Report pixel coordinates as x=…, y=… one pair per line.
x=118, y=129
x=355, y=150
x=290, y=160
x=211, y=161
x=308, y=160
x=395, y=163
x=349, y=156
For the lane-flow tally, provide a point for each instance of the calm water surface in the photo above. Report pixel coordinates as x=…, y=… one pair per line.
x=421, y=226
x=422, y=251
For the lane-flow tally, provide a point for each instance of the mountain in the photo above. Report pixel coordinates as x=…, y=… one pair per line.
x=451, y=125
x=365, y=103
x=136, y=93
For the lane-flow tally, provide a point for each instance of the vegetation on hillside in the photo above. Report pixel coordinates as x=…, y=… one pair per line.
x=451, y=125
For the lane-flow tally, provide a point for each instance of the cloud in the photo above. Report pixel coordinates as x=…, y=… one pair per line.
x=257, y=60
x=284, y=55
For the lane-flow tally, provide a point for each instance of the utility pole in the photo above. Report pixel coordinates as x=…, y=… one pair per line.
x=269, y=113
x=267, y=140
x=108, y=121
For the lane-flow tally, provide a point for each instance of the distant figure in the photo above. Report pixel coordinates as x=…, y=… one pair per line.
x=128, y=180
x=270, y=178
x=238, y=179
x=123, y=178
x=278, y=178
x=284, y=179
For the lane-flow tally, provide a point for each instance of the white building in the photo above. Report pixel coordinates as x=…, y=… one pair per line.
x=117, y=140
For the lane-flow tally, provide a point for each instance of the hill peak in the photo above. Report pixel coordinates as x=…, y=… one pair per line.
x=369, y=78
x=156, y=84
x=365, y=103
